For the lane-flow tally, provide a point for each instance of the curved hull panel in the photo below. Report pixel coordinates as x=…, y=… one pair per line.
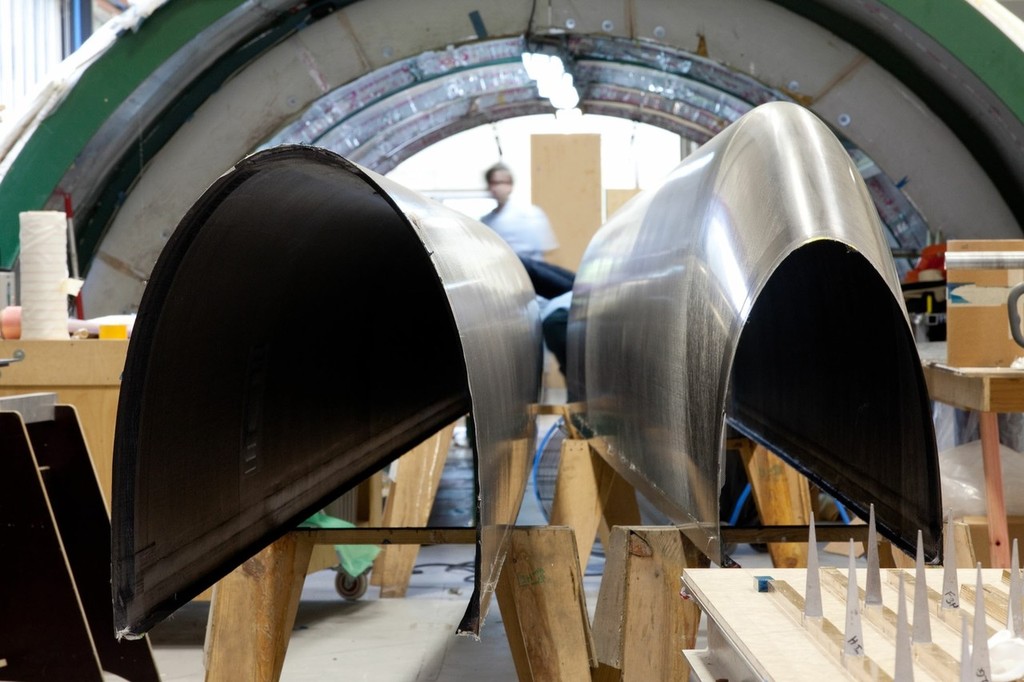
x=753, y=290
x=307, y=323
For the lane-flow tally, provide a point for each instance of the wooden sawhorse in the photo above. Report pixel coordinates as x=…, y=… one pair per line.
x=639, y=630
x=641, y=622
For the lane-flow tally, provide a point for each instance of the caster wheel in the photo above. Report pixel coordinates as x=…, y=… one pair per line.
x=350, y=588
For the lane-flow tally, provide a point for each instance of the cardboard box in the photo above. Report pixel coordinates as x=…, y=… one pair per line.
x=977, y=323
x=972, y=545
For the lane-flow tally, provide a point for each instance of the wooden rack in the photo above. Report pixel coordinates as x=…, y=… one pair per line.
x=638, y=631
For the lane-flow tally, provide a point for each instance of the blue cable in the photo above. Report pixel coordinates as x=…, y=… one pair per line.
x=735, y=517
x=843, y=514
x=536, y=462
x=739, y=505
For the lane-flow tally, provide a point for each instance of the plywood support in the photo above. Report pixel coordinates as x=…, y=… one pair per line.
x=642, y=623
x=56, y=622
x=566, y=183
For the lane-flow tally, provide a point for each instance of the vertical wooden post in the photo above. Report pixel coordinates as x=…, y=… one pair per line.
x=642, y=624
x=409, y=503
x=252, y=613
x=998, y=532
x=543, y=606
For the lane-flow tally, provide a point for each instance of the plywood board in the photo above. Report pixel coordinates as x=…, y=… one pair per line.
x=566, y=183
x=43, y=632
x=782, y=646
x=84, y=526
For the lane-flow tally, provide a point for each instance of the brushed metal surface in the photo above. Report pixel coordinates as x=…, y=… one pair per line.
x=307, y=323
x=753, y=291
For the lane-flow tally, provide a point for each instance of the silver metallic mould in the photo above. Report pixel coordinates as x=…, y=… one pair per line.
x=753, y=293
x=242, y=412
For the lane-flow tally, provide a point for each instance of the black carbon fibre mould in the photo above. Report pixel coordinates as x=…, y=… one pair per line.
x=295, y=337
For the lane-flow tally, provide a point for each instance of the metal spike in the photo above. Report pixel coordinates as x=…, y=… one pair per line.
x=979, y=652
x=854, y=636
x=1015, y=615
x=812, y=591
x=904, y=671
x=922, y=622
x=950, y=588
x=966, y=671
x=873, y=581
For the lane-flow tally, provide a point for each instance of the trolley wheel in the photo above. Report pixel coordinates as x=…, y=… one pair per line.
x=350, y=588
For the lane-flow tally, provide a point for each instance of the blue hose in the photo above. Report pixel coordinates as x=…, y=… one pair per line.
x=739, y=505
x=735, y=517
x=843, y=514
x=536, y=462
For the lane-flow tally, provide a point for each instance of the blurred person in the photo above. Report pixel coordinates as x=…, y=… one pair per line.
x=523, y=226
x=526, y=229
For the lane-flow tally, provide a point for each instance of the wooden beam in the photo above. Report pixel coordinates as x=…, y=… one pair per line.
x=642, y=623
x=782, y=497
x=252, y=613
x=389, y=536
x=543, y=606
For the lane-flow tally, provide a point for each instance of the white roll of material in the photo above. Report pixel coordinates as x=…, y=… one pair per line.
x=44, y=275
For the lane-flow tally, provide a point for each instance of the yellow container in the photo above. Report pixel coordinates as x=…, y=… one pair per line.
x=113, y=331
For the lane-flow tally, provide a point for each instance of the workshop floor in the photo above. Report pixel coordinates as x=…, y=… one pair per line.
x=400, y=640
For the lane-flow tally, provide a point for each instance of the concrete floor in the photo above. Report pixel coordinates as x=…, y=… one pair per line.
x=409, y=639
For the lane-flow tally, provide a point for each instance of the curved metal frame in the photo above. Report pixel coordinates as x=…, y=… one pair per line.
x=113, y=121
x=753, y=291
x=241, y=413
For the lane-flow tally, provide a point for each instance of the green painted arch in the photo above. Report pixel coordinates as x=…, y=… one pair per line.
x=975, y=41
x=33, y=176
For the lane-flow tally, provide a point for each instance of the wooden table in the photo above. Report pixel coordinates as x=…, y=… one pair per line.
x=85, y=373
x=987, y=391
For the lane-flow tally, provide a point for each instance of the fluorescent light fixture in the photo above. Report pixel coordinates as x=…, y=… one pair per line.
x=552, y=80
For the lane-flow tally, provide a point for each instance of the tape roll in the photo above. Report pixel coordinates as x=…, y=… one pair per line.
x=44, y=275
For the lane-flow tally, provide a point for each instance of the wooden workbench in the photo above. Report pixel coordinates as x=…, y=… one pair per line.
x=83, y=373
x=987, y=391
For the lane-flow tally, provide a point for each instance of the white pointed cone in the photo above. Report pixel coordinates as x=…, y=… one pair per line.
x=812, y=591
x=979, y=652
x=966, y=671
x=873, y=581
x=854, y=635
x=950, y=588
x=904, y=670
x=1014, y=614
x=922, y=622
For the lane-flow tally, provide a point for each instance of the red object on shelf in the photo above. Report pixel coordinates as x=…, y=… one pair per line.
x=933, y=258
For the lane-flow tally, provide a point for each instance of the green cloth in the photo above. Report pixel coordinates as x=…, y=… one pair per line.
x=355, y=559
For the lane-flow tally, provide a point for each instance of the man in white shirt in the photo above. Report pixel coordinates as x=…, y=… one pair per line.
x=526, y=229
x=523, y=226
